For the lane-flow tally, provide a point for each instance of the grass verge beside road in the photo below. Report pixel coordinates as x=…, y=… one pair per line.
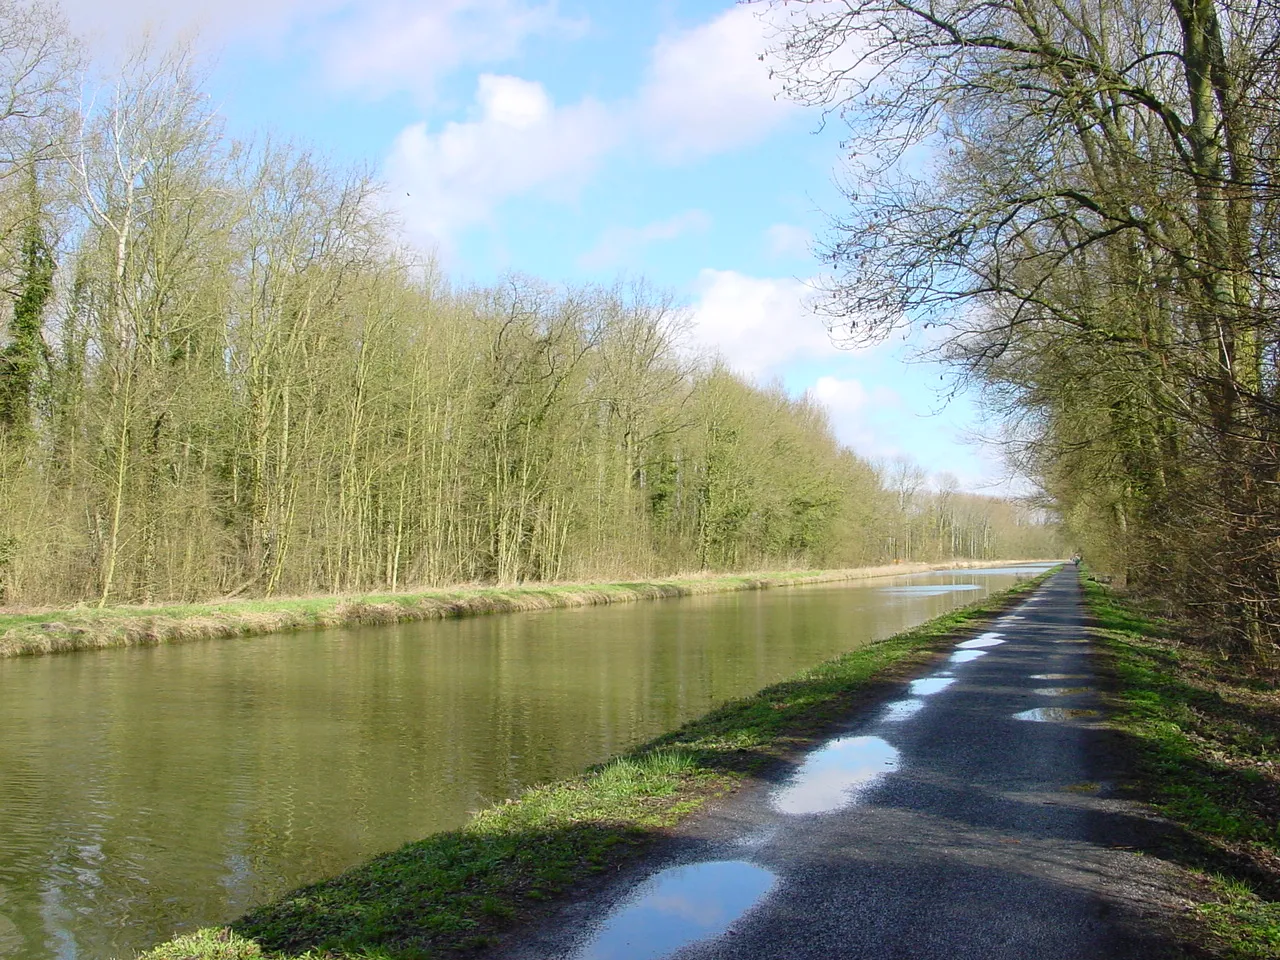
x=34, y=632
x=1206, y=737
x=459, y=890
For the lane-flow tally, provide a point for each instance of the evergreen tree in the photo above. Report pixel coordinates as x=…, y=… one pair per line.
x=24, y=344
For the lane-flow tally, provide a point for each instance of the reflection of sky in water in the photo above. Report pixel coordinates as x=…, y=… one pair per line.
x=1059, y=676
x=1053, y=714
x=679, y=906
x=834, y=776
x=982, y=640
x=900, y=710
x=930, y=685
x=928, y=589
x=1021, y=570
x=966, y=656
x=1028, y=570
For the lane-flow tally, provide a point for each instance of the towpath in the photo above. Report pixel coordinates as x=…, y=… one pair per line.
x=969, y=818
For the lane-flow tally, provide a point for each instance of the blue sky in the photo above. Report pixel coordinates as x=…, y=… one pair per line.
x=580, y=141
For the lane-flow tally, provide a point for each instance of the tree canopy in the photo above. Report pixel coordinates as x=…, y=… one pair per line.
x=1082, y=194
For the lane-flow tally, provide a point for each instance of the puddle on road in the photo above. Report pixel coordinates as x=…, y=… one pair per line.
x=966, y=656
x=1061, y=691
x=677, y=907
x=982, y=640
x=1055, y=714
x=900, y=710
x=930, y=685
x=836, y=775
x=1059, y=676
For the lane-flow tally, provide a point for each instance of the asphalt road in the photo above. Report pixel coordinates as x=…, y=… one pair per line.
x=968, y=818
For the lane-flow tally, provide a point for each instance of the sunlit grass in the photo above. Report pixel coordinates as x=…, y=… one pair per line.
x=1207, y=741
x=209, y=944
x=1239, y=917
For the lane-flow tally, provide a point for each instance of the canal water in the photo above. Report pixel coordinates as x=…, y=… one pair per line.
x=149, y=791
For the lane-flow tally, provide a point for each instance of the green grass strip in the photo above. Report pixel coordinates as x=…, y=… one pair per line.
x=456, y=891
x=27, y=633
x=1207, y=741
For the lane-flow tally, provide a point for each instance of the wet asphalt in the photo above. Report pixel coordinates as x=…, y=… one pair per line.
x=969, y=817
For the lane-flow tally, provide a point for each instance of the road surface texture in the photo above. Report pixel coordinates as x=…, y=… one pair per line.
x=969, y=818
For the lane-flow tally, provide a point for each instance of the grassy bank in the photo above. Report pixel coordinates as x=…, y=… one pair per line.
x=1206, y=741
x=459, y=890
x=33, y=632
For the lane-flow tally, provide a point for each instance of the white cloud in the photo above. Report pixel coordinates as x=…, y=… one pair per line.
x=789, y=240
x=519, y=142
x=704, y=90
x=112, y=27
x=398, y=45
x=757, y=324
x=378, y=47
x=863, y=419
x=619, y=244
x=883, y=423
x=707, y=89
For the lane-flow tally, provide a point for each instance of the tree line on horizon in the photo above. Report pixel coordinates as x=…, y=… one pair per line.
x=1083, y=195
x=221, y=374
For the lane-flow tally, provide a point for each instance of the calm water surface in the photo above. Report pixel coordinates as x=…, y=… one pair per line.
x=153, y=790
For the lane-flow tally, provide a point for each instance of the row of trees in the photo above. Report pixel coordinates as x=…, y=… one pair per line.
x=1084, y=193
x=221, y=375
